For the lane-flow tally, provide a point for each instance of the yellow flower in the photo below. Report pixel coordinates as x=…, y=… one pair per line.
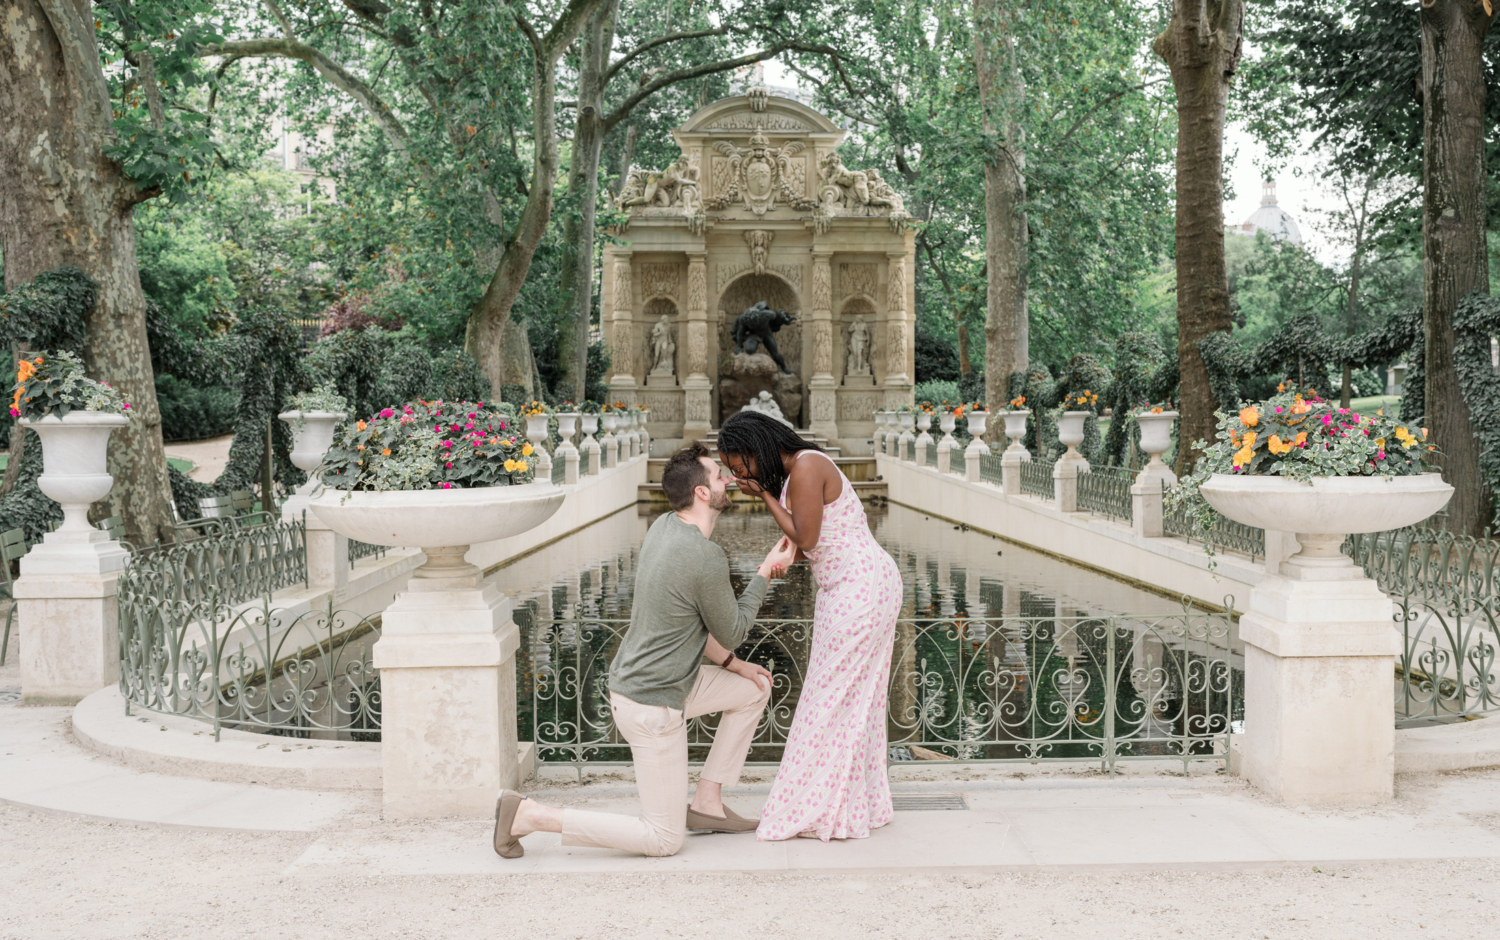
x=510, y=466
x=521, y=466
x=1249, y=417
x=1300, y=407
x=1249, y=440
x=1276, y=445
x=526, y=450
x=1301, y=438
x=1243, y=457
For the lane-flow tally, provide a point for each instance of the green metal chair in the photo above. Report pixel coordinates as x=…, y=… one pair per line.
x=115, y=526
x=242, y=505
x=12, y=547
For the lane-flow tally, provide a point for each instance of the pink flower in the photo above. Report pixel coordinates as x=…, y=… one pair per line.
x=126, y=406
x=473, y=414
x=469, y=426
x=1380, y=456
x=15, y=412
x=1327, y=420
x=1278, y=409
x=447, y=486
x=448, y=444
x=449, y=465
x=387, y=413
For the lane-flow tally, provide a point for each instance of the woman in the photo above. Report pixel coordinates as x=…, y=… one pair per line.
x=832, y=782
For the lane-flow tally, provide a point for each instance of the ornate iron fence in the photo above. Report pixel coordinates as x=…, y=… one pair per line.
x=229, y=565
x=559, y=470
x=1444, y=586
x=989, y=468
x=1023, y=689
x=1106, y=490
x=929, y=453
x=1036, y=478
x=1226, y=534
x=358, y=549
x=294, y=673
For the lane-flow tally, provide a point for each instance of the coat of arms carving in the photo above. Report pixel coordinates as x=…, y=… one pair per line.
x=756, y=175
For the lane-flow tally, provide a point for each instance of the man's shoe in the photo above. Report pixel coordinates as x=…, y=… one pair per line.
x=729, y=822
x=507, y=845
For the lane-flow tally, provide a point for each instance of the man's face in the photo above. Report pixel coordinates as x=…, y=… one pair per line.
x=718, y=495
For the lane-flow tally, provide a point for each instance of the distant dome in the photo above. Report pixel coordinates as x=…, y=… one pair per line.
x=1271, y=219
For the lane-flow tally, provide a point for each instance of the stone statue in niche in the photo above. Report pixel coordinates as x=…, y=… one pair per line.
x=766, y=405
x=858, y=362
x=663, y=348
x=753, y=328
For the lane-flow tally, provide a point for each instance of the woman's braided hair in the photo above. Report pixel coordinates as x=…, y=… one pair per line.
x=753, y=434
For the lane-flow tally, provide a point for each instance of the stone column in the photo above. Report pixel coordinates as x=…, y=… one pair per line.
x=447, y=661
x=1319, y=656
x=623, y=341
x=66, y=602
x=823, y=386
x=327, y=555
x=697, y=386
x=897, y=336
x=1146, y=494
x=1010, y=469
x=1065, y=479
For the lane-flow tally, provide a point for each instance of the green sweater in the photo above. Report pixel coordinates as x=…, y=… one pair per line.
x=682, y=594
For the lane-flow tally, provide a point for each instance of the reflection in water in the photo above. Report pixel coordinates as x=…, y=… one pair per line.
x=1000, y=653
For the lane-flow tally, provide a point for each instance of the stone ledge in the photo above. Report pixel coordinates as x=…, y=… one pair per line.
x=178, y=746
x=1462, y=745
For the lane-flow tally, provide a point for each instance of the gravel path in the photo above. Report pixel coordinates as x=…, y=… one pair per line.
x=76, y=879
x=211, y=455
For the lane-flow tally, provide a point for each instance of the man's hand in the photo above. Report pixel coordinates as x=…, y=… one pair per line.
x=779, y=559
x=760, y=675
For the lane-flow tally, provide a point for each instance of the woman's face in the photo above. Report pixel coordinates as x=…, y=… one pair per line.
x=742, y=467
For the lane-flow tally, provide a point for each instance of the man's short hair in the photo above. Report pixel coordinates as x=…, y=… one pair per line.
x=683, y=474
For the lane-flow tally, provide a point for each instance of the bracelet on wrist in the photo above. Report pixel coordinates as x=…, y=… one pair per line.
x=727, y=660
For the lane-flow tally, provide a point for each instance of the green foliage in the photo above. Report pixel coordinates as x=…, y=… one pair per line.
x=192, y=413
x=186, y=492
x=26, y=506
x=349, y=360
x=1139, y=358
x=406, y=374
x=430, y=446
x=936, y=359
x=1476, y=319
x=597, y=388
x=48, y=312
x=456, y=376
x=183, y=270
x=937, y=391
x=1042, y=394
x=323, y=398
x=264, y=354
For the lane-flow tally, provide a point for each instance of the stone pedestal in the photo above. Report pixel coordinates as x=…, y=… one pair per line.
x=1065, y=479
x=448, y=689
x=1010, y=468
x=66, y=604
x=1320, y=651
x=859, y=381
x=661, y=381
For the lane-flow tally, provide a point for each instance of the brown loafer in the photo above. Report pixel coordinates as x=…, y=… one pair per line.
x=507, y=845
x=729, y=822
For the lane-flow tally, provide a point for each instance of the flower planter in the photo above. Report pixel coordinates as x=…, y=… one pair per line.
x=978, y=421
x=1156, y=439
x=312, y=435
x=1326, y=509
x=1015, y=425
x=536, y=429
x=1070, y=431
x=566, y=421
x=74, y=451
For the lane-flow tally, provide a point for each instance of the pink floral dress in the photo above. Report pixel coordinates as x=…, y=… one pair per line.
x=832, y=781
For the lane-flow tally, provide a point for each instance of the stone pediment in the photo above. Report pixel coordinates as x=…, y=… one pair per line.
x=738, y=117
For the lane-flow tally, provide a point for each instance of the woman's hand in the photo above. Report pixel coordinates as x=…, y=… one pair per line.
x=750, y=486
x=778, y=560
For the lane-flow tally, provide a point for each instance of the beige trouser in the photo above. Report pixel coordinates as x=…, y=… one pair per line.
x=659, y=747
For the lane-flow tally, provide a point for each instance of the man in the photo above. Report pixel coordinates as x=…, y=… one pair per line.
x=684, y=609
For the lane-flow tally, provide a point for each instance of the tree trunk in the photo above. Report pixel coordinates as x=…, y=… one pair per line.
x=62, y=201
x=1002, y=96
x=1453, y=236
x=1201, y=46
x=485, y=335
x=583, y=193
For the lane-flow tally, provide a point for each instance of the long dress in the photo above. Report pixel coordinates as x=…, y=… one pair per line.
x=832, y=780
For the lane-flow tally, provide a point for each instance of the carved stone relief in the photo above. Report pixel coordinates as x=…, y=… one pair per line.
x=760, y=248
x=623, y=297
x=697, y=299
x=857, y=280
x=895, y=288
x=757, y=175
x=858, y=406
x=665, y=407
x=623, y=352
x=697, y=339
x=750, y=122
x=726, y=273
x=823, y=406
x=822, y=290
x=895, y=348
x=697, y=407
x=659, y=280
x=679, y=186
x=822, y=347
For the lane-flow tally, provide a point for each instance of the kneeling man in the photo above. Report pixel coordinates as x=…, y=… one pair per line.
x=684, y=608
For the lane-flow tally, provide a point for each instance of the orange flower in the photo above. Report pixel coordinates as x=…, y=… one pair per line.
x=1301, y=438
x=1249, y=440
x=359, y=425
x=1242, y=458
x=1249, y=417
x=385, y=452
x=1276, y=446
x=1300, y=407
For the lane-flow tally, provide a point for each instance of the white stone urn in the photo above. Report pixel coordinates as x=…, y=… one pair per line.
x=312, y=435
x=978, y=421
x=1319, y=644
x=1326, y=509
x=1070, y=431
x=607, y=441
x=948, y=423
x=446, y=653
x=880, y=429
x=567, y=422
x=1156, y=439
x=924, y=424
x=1015, y=430
x=74, y=449
x=907, y=420
x=588, y=448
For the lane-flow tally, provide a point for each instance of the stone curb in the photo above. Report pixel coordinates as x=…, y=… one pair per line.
x=182, y=747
